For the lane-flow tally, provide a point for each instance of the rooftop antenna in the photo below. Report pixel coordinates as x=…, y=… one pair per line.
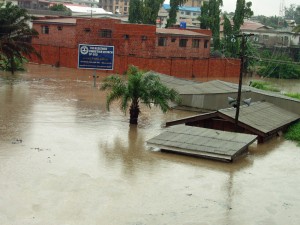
x=282, y=9
x=281, y=12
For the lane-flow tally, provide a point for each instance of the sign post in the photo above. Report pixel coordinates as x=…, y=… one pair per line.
x=96, y=57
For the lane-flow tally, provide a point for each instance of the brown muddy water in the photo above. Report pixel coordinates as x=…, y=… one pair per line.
x=65, y=160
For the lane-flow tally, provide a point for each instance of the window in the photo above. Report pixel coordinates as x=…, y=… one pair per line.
x=125, y=9
x=188, y=13
x=162, y=41
x=206, y=44
x=59, y=27
x=173, y=39
x=195, y=43
x=144, y=38
x=45, y=30
x=105, y=33
x=194, y=14
x=182, y=13
x=182, y=42
x=87, y=29
x=126, y=36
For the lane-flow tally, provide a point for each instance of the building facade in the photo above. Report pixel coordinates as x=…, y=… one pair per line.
x=176, y=52
x=115, y=6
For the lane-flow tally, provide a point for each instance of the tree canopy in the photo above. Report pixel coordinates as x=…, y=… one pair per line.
x=210, y=18
x=15, y=35
x=140, y=87
x=174, y=5
x=144, y=11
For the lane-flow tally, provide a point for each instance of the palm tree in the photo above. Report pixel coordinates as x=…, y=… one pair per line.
x=15, y=35
x=140, y=87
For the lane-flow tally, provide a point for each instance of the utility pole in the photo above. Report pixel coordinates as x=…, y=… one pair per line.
x=242, y=57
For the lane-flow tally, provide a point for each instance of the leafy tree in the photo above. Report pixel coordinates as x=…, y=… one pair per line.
x=242, y=11
x=140, y=87
x=293, y=13
x=144, y=11
x=272, y=21
x=18, y=64
x=60, y=8
x=204, y=16
x=297, y=29
x=135, y=11
x=278, y=66
x=228, y=37
x=174, y=5
x=15, y=35
x=214, y=13
x=210, y=18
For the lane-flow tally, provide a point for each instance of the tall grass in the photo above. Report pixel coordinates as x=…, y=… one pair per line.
x=262, y=85
x=293, y=95
x=293, y=133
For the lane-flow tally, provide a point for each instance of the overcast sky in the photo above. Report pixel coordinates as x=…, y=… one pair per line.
x=260, y=7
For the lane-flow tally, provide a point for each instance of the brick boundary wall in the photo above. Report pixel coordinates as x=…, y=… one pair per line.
x=178, y=67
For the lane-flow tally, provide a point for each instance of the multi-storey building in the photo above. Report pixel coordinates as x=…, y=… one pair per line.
x=187, y=14
x=115, y=6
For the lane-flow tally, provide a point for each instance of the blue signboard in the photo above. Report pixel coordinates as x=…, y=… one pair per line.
x=99, y=57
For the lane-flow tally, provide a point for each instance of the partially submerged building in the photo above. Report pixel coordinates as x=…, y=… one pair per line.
x=203, y=142
x=260, y=118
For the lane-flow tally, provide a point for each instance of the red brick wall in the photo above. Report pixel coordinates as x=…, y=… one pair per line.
x=63, y=38
x=186, y=68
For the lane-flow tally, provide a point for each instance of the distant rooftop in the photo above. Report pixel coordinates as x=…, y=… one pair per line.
x=183, y=8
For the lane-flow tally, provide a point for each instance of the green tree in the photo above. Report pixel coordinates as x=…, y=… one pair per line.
x=15, y=35
x=144, y=11
x=60, y=8
x=278, y=66
x=140, y=87
x=204, y=17
x=242, y=11
x=135, y=11
x=151, y=8
x=292, y=13
x=210, y=18
x=228, y=37
x=297, y=29
x=174, y=5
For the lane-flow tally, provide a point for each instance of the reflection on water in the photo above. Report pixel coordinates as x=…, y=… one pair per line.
x=80, y=164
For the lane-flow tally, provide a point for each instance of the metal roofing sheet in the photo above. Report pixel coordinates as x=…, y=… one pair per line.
x=262, y=116
x=202, y=141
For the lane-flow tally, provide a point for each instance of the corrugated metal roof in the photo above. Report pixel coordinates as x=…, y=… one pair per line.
x=188, y=87
x=262, y=116
x=179, y=32
x=202, y=142
x=59, y=21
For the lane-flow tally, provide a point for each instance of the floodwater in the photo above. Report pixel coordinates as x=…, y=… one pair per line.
x=65, y=160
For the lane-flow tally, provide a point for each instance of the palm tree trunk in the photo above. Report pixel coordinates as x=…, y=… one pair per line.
x=134, y=112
